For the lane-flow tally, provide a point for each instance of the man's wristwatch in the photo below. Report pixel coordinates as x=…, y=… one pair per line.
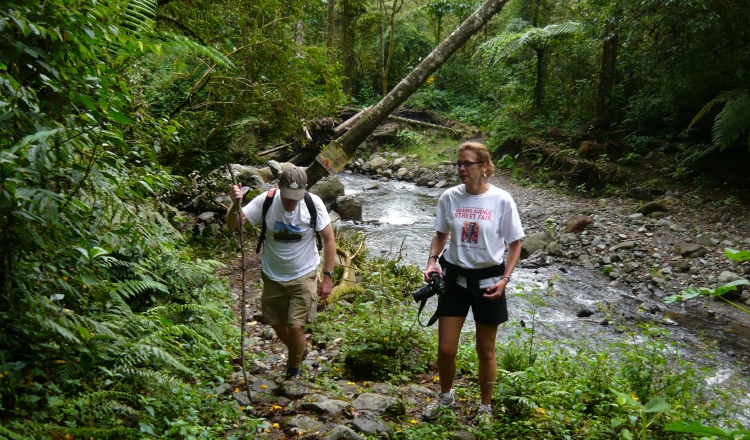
x=330, y=274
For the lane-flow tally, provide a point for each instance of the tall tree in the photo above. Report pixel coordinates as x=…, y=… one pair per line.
x=608, y=68
x=330, y=21
x=390, y=17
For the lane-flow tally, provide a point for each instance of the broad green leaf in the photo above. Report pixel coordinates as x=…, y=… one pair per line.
x=85, y=100
x=84, y=332
x=657, y=405
x=686, y=294
x=626, y=399
x=120, y=118
x=56, y=297
x=697, y=428
x=719, y=291
x=736, y=255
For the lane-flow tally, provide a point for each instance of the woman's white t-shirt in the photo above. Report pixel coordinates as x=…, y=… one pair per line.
x=479, y=227
x=289, y=250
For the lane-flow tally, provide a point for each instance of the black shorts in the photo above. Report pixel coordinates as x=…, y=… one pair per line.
x=457, y=300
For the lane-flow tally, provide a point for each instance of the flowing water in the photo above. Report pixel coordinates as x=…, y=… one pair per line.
x=398, y=219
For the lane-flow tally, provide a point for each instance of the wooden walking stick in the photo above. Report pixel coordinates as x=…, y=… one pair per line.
x=242, y=252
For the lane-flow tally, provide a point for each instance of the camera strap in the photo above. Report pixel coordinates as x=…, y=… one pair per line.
x=433, y=318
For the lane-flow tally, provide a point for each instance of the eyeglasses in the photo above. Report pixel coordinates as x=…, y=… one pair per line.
x=464, y=164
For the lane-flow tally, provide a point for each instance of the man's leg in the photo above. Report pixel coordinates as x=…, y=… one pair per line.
x=449, y=331
x=293, y=336
x=485, y=346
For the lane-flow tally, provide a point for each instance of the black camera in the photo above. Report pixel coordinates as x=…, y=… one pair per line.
x=436, y=287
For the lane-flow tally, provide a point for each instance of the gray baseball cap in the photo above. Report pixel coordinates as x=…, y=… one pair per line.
x=292, y=182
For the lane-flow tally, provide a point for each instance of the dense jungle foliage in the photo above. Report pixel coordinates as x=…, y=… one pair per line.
x=111, y=326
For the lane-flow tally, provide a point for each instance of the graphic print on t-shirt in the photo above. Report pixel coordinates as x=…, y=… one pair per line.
x=470, y=232
x=285, y=233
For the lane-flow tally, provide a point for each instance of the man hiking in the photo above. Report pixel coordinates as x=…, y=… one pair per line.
x=290, y=257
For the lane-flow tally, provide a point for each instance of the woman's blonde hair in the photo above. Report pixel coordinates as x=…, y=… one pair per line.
x=483, y=154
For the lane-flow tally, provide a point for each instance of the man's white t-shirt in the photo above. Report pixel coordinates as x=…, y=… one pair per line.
x=479, y=227
x=289, y=250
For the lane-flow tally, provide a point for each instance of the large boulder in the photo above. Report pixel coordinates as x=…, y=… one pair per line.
x=578, y=223
x=535, y=242
x=691, y=250
x=248, y=176
x=349, y=208
x=328, y=189
x=377, y=163
x=651, y=207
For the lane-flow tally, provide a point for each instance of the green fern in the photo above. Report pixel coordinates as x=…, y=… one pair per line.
x=185, y=45
x=132, y=288
x=12, y=435
x=140, y=15
x=731, y=122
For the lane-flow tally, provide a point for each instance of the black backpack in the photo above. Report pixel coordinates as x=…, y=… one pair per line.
x=310, y=208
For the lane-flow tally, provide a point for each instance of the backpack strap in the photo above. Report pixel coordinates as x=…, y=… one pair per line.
x=266, y=206
x=313, y=218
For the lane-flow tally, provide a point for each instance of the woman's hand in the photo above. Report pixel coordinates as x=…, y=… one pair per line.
x=495, y=291
x=432, y=266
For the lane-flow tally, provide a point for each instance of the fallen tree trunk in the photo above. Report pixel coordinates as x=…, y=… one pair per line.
x=348, y=283
x=581, y=170
x=370, y=119
x=424, y=124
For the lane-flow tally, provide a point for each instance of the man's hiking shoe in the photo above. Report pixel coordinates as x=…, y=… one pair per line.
x=444, y=401
x=484, y=416
x=293, y=373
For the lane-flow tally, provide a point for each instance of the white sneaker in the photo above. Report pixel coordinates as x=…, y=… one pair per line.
x=484, y=415
x=444, y=400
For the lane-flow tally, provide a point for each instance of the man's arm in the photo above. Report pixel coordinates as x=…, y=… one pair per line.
x=329, y=260
x=233, y=221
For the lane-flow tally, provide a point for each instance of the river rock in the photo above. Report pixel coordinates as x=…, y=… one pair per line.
x=242, y=398
x=371, y=186
x=691, y=250
x=328, y=189
x=321, y=404
x=373, y=426
x=349, y=208
x=249, y=177
x=554, y=249
x=275, y=168
x=578, y=223
x=654, y=206
x=299, y=425
x=625, y=245
x=294, y=389
x=207, y=217
x=708, y=238
x=378, y=163
x=263, y=385
x=640, y=194
x=568, y=238
x=534, y=242
x=378, y=404
x=341, y=432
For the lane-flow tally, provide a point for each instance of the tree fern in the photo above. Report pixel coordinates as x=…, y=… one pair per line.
x=731, y=122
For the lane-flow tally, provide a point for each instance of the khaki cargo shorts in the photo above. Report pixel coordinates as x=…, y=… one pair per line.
x=293, y=302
